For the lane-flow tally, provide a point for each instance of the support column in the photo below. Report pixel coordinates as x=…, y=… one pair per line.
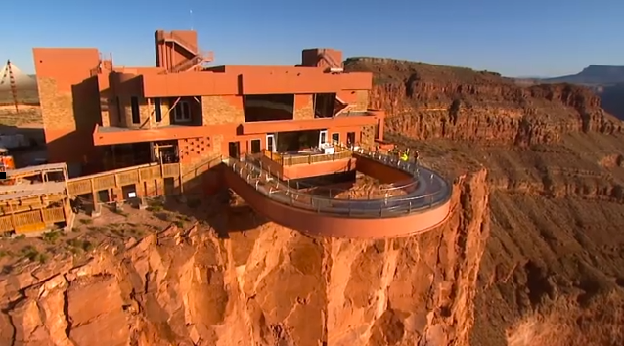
x=96, y=210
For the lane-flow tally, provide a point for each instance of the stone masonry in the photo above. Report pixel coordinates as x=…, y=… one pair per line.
x=218, y=111
x=361, y=104
x=68, y=122
x=144, y=112
x=56, y=108
x=304, y=107
x=368, y=136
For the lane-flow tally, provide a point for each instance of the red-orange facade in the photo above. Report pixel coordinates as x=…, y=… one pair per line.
x=88, y=103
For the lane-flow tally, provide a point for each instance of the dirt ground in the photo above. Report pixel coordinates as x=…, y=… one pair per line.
x=113, y=228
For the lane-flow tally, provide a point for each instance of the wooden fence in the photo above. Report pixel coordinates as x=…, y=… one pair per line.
x=91, y=184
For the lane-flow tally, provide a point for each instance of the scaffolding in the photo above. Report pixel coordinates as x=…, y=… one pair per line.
x=28, y=206
x=38, y=198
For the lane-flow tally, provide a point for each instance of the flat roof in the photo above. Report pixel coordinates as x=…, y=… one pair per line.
x=113, y=129
x=36, y=169
x=30, y=190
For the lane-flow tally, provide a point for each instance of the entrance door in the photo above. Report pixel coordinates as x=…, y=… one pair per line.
x=234, y=149
x=322, y=138
x=255, y=146
x=350, y=138
x=270, y=142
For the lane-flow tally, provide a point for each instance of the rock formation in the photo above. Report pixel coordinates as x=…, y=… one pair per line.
x=427, y=101
x=270, y=286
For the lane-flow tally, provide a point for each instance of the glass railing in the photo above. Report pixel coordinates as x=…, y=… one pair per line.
x=389, y=206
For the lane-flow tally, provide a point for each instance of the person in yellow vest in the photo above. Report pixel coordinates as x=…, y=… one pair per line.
x=405, y=155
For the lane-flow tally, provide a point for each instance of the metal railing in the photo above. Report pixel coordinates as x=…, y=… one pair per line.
x=285, y=159
x=390, y=206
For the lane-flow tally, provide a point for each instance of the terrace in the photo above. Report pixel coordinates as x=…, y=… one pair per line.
x=306, y=163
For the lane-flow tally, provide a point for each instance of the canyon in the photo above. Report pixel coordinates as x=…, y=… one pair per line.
x=532, y=254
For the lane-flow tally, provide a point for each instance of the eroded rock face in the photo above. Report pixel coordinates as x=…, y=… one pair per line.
x=426, y=101
x=270, y=286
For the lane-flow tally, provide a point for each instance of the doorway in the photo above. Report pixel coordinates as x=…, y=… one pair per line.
x=335, y=138
x=270, y=142
x=322, y=138
x=234, y=149
x=254, y=146
x=350, y=138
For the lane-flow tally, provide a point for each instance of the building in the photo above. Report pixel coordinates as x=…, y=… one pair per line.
x=271, y=134
x=100, y=116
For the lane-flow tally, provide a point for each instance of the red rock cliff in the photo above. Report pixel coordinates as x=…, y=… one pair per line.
x=270, y=286
x=426, y=101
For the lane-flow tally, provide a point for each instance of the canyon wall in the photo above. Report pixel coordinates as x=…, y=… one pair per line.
x=269, y=286
x=427, y=101
x=552, y=272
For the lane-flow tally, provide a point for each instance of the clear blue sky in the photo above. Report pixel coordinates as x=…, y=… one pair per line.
x=516, y=38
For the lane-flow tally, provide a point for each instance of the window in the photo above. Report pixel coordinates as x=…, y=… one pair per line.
x=182, y=112
x=118, y=106
x=134, y=105
x=157, y=110
x=335, y=138
x=255, y=146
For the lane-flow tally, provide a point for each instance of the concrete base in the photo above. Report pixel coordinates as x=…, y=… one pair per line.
x=96, y=211
x=70, y=222
x=142, y=203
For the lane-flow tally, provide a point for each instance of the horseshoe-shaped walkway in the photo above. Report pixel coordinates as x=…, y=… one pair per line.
x=425, y=205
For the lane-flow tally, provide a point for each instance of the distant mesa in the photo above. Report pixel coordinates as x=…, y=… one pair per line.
x=593, y=75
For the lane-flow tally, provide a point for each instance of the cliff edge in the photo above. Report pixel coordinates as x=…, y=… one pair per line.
x=552, y=272
x=268, y=286
x=457, y=103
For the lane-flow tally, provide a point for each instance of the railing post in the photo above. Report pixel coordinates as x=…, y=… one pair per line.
x=349, y=205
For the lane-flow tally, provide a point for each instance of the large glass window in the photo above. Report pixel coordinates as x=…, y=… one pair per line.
x=268, y=107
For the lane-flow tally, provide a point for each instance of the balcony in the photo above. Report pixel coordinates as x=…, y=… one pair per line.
x=307, y=163
x=371, y=117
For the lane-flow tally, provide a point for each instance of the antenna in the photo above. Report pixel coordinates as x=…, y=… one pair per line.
x=191, y=13
x=8, y=74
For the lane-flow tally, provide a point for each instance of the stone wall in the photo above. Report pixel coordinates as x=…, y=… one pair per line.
x=69, y=121
x=218, y=110
x=367, y=139
x=361, y=105
x=303, y=108
x=144, y=112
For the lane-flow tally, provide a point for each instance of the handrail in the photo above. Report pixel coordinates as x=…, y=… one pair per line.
x=285, y=161
x=381, y=207
x=181, y=42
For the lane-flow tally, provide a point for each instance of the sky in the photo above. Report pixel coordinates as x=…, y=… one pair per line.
x=515, y=38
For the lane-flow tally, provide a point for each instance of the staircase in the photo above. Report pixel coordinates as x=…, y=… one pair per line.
x=334, y=67
x=186, y=65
